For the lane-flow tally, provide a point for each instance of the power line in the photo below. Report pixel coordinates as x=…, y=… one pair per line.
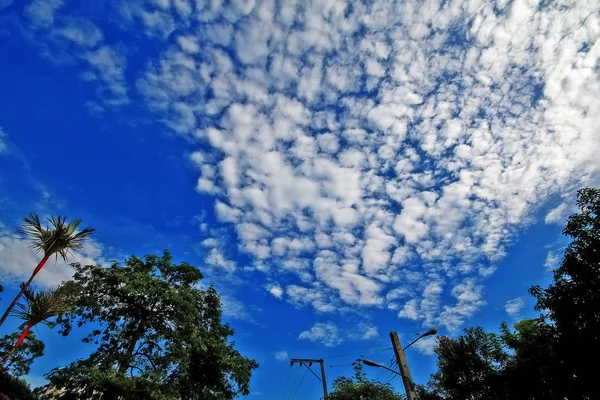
x=286, y=382
x=295, y=379
x=304, y=376
x=368, y=356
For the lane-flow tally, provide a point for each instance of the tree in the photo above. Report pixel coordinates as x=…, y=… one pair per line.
x=159, y=335
x=59, y=237
x=41, y=306
x=470, y=366
x=359, y=387
x=572, y=302
x=20, y=362
x=14, y=388
x=532, y=371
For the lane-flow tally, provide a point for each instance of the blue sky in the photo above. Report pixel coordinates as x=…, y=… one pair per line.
x=338, y=169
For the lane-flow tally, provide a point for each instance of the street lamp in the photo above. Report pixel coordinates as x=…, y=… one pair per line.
x=430, y=332
x=371, y=363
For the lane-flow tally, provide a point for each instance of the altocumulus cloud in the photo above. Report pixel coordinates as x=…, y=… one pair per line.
x=367, y=155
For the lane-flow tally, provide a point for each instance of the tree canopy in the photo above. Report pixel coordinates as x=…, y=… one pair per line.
x=550, y=357
x=359, y=387
x=21, y=360
x=159, y=335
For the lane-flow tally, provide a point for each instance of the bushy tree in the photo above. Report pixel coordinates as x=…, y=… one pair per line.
x=551, y=357
x=470, y=366
x=20, y=362
x=359, y=387
x=14, y=388
x=159, y=335
x=572, y=302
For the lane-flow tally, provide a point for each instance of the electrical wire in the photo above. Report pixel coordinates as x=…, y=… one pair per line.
x=304, y=376
x=368, y=356
x=286, y=382
x=295, y=380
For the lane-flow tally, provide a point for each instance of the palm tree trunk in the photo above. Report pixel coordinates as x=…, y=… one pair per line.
x=8, y=356
x=17, y=344
x=24, y=288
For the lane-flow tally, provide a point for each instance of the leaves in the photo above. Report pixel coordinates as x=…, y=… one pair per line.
x=58, y=237
x=159, y=335
x=543, y=358
x=41, y=306
x=21, y=360
x=359, y=387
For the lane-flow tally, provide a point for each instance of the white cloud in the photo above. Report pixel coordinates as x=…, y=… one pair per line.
x=214, y=256
x=233, y=308
x=552, y=261
x=513, y=307
x=281, y=355
x=362, y=331
x=325, y=333
x=557, y=215
x=419, y=187
x=275, y=290
x=426, y=345
x=41, y=12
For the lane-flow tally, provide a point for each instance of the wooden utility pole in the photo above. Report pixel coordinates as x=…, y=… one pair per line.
x=309, y=361
x=409, y=386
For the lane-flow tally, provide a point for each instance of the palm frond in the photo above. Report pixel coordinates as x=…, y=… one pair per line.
x=58, y=237
x=41, y=305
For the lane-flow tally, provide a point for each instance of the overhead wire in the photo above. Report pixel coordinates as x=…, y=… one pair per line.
x=377, y=351
x=304, y=376
x=286, y=382
x=295, y=380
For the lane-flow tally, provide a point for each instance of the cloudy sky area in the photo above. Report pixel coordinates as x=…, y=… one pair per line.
x=338, y=169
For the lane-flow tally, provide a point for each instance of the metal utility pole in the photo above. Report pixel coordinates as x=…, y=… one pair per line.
x=309, y=361
x=409, y=386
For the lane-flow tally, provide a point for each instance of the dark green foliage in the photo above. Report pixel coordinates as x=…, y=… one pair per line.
x=14, y=388
x=159, y=336
x=532, y=371
x=551, y=357
x=21, y=360
x=573, y=300
x=470, y=367
x=360, y=388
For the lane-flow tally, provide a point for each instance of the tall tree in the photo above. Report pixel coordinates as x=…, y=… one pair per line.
x=13, y=388
x=20, y=362
x=159, y=335
x=359, y=387
x=470, y=367
x=572, y=302
x=58, y=238
x=40, y=308
x=532, y=370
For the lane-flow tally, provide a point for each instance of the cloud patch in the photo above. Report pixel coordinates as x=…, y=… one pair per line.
x=514, y=307
x=325, y=333
x=372, y=155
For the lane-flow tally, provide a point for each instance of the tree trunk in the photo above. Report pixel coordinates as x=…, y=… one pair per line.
x=17, y=344
x=24, y=288
x=136, y=337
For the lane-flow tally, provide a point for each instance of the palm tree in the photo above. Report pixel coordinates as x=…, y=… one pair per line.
x=39, y=308
x=59, y=237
